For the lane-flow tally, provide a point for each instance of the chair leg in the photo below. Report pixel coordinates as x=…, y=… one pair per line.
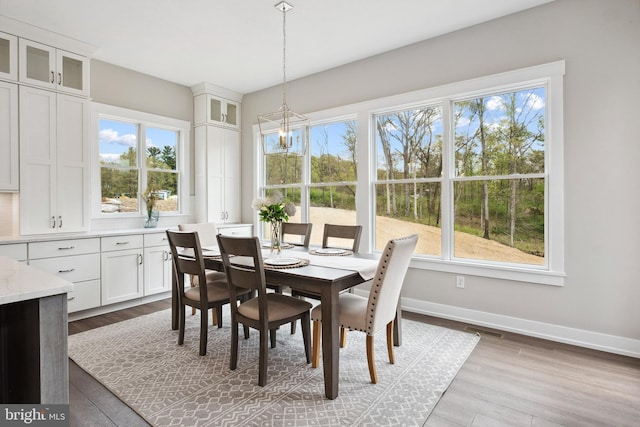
x=214, y=317
x=315, y=357
x=392, y=358
x=204, y=328
x=343, y=337
x=370, y=360
x=233, y=361
x=217, y=313
x=181, y=321
x=262, y=365
x=293, y=327
x=246, y=332
x=193, y=311
x=272, y=336
x=305, y=321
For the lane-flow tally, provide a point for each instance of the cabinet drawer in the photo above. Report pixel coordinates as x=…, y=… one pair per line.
x=85, y=295
x=156, y=239
x=239, y=231
x=75, y=268
x=17, y=251
x=117, y=243
x=59, y=248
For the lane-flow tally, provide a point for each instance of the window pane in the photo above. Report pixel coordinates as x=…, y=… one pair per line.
x=118, y=143
x=166, y=190
x=500, y=134
x=119, y=190
x=333, y=152
x=272, y=143
x=409, y=144
x=161, y=148
x=331, y=205
x=408, y=208
x=283, y=169
x=500, y=220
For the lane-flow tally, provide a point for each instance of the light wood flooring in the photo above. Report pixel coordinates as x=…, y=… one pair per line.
x=509, y=380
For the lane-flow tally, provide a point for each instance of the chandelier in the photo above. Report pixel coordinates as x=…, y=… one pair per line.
x=285, y=120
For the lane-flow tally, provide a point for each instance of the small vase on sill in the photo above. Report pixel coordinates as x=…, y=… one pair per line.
x=276, y=238
x=152, y=219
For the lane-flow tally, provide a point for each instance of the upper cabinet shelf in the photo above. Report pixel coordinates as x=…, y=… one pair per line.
x=52, y=68
x=216, y=106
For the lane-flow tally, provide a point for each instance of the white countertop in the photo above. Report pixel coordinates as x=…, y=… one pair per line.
x=19, y=282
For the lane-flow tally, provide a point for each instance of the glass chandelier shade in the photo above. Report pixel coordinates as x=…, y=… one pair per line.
x=284, y=120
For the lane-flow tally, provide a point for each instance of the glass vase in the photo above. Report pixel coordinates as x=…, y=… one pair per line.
x=276, y=238
x=152, y=219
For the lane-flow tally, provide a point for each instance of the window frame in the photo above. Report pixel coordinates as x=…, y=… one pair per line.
x=551, y=76
x=142, y=121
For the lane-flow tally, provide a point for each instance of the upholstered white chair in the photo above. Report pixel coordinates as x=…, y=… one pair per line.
x=369, y=315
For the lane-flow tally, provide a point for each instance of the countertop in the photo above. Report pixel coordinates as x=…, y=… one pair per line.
x=19, y=282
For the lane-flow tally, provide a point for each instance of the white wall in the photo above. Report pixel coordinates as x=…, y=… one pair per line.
x=600, y=41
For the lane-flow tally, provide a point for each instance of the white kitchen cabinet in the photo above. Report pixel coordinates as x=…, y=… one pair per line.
x=52, y=68
x=9, y=146
x=54, y=159
x=157, y=264
x=217, y=111
x=75, y=260
x=8, y=57
x=122, y=268
x=17, y=251
x=217, y=174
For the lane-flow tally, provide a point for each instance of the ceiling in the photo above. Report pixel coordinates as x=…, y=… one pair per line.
x=237, y=44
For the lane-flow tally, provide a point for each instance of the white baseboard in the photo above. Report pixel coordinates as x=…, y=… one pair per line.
x=579, y=337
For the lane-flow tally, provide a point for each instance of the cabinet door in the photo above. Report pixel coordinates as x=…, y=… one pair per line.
x=9, y=171
x=72, y=73
x=121, y=275
x=37, y=64
x=72, y=163
x=157, y=270
x=231, y=181
x=8, y=57
x=37, y=161
x=223, y=112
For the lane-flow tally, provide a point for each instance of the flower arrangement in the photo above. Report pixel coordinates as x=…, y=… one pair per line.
x=150, y=197
x=273, y=208
x=275, y=211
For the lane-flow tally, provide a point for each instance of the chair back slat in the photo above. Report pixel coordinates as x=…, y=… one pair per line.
x=243, y=276
x=342, y=232
x=300, y=229
x=186, y=253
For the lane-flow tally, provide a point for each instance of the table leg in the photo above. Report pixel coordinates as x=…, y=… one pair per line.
x=330, y=345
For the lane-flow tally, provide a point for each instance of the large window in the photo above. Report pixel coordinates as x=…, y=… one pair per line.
x=135, y=156
x=320, y=181
x=475, y=168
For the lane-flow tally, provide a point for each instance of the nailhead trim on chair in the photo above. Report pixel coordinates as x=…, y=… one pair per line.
x=376, y=286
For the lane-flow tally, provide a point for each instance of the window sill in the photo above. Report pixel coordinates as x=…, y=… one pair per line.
x=518, y=274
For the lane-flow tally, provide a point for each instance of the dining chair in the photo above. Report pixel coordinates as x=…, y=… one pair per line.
x=341, y=233
x=187, y=260
x=369, y=315
x=207, y=234
x=267, y=311
x=300, y=229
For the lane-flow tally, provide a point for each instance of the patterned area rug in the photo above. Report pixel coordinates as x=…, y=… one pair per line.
x=170, y=385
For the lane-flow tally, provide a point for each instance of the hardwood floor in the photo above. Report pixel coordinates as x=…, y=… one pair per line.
x=509, y=380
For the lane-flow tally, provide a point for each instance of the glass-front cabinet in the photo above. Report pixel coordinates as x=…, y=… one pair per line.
x=53, y=68
x=223, y=111
x=8, y=57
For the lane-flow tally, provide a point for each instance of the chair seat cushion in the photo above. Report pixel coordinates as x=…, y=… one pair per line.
x=352, y=311
x=212, y=276
x=216, y=291
x=279, y=307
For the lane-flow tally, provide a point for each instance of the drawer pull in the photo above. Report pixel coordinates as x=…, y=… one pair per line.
x=66, y=271
x=71, y=298
x=66, y=248
x=122, y=243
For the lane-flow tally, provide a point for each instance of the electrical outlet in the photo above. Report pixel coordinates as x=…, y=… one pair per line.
x=460, y=282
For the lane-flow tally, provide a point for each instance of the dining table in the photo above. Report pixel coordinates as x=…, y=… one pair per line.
x=317, y=276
